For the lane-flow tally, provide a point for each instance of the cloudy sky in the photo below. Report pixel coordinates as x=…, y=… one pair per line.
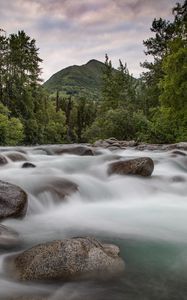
x=72, y=32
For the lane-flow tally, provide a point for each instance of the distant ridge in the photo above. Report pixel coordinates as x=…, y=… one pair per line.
x=75, y=79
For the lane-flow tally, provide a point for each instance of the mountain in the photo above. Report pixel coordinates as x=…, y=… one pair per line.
x=75, y=79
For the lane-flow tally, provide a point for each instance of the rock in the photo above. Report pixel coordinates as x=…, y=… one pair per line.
x=182, y=146
x=138, y=166
x=177, y=178
x=13, y=201
x=8, y=237
x=150, y=147
x=20, y=150
x=111, y=141
x=60, y=186
x=177, y=152
x=28, y=165
x=168, y=147
x=16, y=156
x=3, y=160
x=98, y=143
x=76, y=150
x=44, y=150
x=102, y=144
x=163, y=147
x=116, y=144
x=128, y=143
x=68, y=259
x=113, y=148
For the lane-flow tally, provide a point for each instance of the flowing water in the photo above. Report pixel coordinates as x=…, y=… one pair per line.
x=145, y=217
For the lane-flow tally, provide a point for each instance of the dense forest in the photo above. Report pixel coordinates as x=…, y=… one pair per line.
x=151, y=109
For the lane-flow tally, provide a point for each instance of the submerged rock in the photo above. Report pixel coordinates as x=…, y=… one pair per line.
x=3, y=160
x=59, y=186
x=76, y=150
x=177, y=178
x=69, y=259
x=16, y=156
x=28, y=165
x=138, y=166
x=8, y=237
x=13, y=201
x=178, y=152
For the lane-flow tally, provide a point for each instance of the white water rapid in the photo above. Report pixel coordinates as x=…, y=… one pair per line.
x=145, y=217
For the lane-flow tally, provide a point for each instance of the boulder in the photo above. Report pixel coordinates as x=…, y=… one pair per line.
x=16, y=156
x=8, y=237
x=3, y=160
x=137, y=166
x=76, y=150
x=28, y=165
x=69, y=259
x=13, y=201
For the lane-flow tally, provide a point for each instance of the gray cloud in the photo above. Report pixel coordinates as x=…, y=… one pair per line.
x=74, y=31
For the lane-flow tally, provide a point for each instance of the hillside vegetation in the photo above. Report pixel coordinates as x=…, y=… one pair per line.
x=94, y=101
x=76, y=79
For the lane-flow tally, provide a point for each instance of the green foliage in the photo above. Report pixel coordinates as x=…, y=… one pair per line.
x=11, y=129
x=120, y=124
x=118, y=89
x=165, y=84
x=95, y=101
x=141, y=127
x=168, y=126
x=174, y=82
x=55, y=127
x=19, y=82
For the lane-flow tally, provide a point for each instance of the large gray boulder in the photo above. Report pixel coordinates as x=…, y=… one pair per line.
x=69, y=259
x=138, y=166
x=13, y=201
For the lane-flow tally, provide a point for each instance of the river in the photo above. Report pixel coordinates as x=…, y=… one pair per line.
x=145, y=217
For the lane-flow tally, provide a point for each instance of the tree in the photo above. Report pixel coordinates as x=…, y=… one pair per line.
x=11, y=129
x=23, y=74
x=174, y=82
x=108, y=87
x=165, y=83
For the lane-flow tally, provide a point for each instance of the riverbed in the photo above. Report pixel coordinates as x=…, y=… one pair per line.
x=145, y=216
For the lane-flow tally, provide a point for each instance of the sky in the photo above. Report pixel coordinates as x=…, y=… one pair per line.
x=70, y=32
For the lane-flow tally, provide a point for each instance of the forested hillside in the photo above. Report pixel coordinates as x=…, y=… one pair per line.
x=90, y=102
x=76, y=79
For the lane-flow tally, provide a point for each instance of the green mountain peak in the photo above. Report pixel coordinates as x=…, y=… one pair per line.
x=85, y=78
